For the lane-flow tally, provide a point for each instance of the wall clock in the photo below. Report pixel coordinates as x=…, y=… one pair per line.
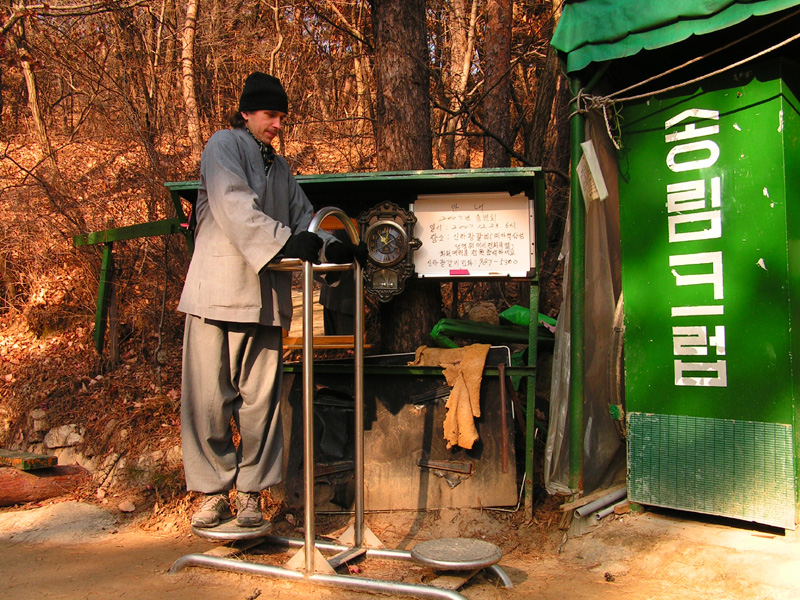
x=388, y=231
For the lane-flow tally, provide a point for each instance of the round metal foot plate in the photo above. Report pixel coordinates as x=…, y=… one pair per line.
x=228, y=531
x=457, y=554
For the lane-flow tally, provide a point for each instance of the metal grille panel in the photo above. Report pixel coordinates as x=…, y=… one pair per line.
x=739, y=469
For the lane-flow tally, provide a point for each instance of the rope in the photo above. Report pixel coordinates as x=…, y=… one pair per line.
x=713, y=73
x=715, y=51
x=585, y=103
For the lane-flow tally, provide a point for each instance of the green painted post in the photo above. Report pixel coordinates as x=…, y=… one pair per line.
x=577, y=261
x=533, y=345
x=106, y=281
x=530, y=387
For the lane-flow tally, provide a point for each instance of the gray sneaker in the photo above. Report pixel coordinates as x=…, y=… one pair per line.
x=248, y=509
x=212, y=511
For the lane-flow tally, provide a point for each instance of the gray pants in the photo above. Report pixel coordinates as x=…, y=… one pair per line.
x=231, y=370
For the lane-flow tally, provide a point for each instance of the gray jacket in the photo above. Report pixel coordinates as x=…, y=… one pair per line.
x=244, y=218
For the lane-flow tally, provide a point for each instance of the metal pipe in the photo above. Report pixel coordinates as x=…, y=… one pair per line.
x=588, y=509
x=358, y=418
x=308, y=412
x=358, y=387
x=530, y=402
x=385, y=553
x=607, y=510
x=345, y=581
x=577, y=261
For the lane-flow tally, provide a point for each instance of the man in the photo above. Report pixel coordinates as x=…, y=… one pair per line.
x=249, y=211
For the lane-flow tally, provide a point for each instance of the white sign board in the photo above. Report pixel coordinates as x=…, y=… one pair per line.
x=474, y=235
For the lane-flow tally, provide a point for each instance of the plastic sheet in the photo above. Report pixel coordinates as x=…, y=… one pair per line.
x=604, y=454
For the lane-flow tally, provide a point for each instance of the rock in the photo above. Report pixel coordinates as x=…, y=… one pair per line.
x=102, y=474
x=174, y=457
x=147, y=468
x=66, y=456
x=150, y=460
x=38, y=425
x=63, y=436
x=622, y=508
x=484, y=312
x=70, y=456
x=127, y=506
x=37, y=448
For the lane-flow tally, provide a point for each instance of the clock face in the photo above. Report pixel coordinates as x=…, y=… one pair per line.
x=387, y=242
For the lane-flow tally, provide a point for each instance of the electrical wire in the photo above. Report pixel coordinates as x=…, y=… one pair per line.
x=699, y=58
x=738, y=63
x=588, y=102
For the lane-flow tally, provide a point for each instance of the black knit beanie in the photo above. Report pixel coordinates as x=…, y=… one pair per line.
x=263, y=92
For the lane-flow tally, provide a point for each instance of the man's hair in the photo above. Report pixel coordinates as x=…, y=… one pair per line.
x=236, y=120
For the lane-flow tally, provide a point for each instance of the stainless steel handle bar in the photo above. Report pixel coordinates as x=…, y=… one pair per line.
x=308, y=380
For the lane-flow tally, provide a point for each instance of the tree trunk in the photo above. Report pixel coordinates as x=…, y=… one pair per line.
x=402, y=128
x=187, y=67
x=547, y=145
x=365, y=111
x=462, y=45
x=18, y=42
x=547, y=79
x=403, y=141
x=18, y=487
x=36, y=115
x=407, y=320
x=279, y=42
x=497, y=84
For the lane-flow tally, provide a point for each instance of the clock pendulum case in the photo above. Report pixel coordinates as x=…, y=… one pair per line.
x=388, y=232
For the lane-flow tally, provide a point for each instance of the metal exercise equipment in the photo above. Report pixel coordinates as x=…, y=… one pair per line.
x=308, y=564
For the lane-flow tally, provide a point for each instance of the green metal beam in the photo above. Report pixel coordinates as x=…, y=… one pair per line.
x=530, y=387
x=165, y=227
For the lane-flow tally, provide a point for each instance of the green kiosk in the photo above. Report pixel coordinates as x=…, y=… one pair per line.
x=710, y=230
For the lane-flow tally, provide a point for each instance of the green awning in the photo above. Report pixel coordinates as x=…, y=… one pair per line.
x=600, y=30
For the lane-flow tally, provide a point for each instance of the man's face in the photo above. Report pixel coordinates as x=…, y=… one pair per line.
x=264, y=124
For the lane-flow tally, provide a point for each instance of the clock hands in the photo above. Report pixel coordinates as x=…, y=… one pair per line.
x=387, y=242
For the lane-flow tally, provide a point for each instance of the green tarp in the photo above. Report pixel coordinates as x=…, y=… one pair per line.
x=601, y=30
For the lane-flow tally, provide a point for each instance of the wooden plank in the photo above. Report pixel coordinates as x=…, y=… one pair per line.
x=320, y=341
x=339, y=559
x=595, y=495
x=26, y=460
x=452, y=580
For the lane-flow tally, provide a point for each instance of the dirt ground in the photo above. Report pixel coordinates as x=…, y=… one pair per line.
x=69, y=549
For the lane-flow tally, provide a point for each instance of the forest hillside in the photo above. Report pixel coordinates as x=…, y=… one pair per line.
x=102, y=103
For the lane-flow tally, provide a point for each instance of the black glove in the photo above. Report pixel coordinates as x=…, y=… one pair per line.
x=303, y=245
x=346, y=252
